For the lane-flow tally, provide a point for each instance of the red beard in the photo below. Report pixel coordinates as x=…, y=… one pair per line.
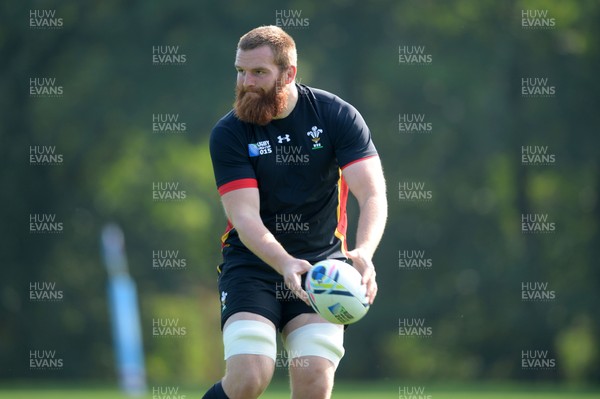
x=261, y=107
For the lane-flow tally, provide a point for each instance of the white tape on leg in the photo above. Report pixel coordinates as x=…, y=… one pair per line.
x=249, y=337
x=317, y=339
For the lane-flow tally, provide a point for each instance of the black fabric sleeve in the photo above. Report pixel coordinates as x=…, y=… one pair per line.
x=352, y=137
x=229, y=155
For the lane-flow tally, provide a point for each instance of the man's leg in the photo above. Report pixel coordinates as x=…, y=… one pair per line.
x=315, y=347
x=250, y=350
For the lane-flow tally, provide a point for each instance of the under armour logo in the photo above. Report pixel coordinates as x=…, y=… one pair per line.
x=281, y=138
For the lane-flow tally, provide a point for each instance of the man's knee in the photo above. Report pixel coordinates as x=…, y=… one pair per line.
x=311, y=377
x=247, y=376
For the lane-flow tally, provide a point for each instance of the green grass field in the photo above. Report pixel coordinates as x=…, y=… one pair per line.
x=342, y=391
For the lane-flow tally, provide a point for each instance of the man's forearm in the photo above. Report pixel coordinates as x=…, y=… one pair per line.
x=258, y=239
x=371, y=223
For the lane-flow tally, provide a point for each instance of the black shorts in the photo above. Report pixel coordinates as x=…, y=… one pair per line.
x=259, y=290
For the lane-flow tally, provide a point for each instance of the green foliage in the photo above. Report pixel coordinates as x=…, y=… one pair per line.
x=188, y=353
x=471, y=161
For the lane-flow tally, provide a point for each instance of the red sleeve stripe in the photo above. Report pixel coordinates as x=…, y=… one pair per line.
x=358, y=160
x=237, y=184
x=342, y=216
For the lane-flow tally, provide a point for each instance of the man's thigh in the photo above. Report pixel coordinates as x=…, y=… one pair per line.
x=302, y=320
x=243, y=291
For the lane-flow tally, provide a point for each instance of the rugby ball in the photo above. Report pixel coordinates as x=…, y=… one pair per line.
x=335, y=291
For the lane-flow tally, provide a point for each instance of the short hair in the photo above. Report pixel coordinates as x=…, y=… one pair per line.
x=282, y=44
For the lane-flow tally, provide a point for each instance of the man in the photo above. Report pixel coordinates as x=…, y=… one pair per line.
x=284, y=159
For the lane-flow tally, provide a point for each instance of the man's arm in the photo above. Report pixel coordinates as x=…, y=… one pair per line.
x=242, y=208
x=366, y=182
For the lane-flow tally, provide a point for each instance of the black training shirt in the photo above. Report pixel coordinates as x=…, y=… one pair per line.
x=296, y=164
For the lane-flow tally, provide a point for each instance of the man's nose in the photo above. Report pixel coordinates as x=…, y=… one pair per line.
x=249, y=80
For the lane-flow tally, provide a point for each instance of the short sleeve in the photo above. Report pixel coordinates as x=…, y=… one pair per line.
x=352, y=137
x=231, y=164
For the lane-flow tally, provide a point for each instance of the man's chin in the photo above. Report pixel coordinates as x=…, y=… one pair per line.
x=258, y=108
x=254, y=120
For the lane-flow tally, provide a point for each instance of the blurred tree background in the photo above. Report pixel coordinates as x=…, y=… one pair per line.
x=470, y=92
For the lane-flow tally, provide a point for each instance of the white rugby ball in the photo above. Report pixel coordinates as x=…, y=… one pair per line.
x=335, y=291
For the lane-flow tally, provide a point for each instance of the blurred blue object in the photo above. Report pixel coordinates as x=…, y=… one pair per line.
x=124, y=309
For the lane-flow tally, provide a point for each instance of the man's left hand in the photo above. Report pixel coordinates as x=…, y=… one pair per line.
x=363, y=263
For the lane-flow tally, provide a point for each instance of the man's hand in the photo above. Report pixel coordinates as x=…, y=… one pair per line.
x=292, y=272
x=362, y=262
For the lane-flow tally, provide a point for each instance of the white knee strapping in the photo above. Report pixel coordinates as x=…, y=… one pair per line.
x=317, y=339
x=249, y=337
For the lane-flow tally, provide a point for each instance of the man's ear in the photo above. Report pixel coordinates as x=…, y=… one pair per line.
x=290, y=74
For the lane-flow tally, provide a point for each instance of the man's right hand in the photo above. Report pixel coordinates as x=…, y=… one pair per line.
x=292, y=272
